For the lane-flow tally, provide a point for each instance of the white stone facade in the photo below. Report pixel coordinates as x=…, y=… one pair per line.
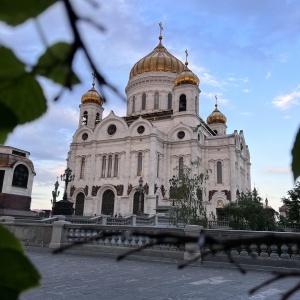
x=109, y=157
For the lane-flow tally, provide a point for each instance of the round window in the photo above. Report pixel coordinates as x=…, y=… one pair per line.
x=181, y=134
x=141, y=129
x=85, y=136
x=111, y=129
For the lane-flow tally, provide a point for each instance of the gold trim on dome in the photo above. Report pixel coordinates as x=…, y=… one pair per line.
x=186, y=77
x=92, y=96
x=160, y=59
x=216, y=117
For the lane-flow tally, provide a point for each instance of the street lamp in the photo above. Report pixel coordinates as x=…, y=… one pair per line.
x=67, y=177
x=55, y=194
x=173, y=184
x=140, y=189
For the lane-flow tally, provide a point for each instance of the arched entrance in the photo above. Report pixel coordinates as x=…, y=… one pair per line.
x=79, y=207
x=108, y=202
x=136, y=203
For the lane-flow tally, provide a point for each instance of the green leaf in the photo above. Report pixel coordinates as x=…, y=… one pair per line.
x=21, y=96
x=17, y=273
x=296, y=157
x=56, y=64
x=17, y=12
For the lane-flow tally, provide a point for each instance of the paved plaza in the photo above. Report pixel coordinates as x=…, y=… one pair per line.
x=80, y=276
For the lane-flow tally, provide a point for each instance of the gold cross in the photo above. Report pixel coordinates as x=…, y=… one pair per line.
x=160, y=28
x=94, y=76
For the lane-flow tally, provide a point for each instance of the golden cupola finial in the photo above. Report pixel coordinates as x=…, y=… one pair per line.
x=160, y=31
x=216, y=116
x=92, y=96
x=186, y=76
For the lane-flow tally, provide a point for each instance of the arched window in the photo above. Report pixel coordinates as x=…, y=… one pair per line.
x=143, y=101
x=196, y=105
x=156, y=100
x=85, y=118
x=116, y=165
x=169, y=101
x=182, y=102
x=180, y=169
x=20, y=177
x=109, y=166
x=103, y=166
x=108, y=203
x=82, y=168
x=219, y=172
x=97, y=120
x=133, y=104
x=140, y=164
x=79, y=205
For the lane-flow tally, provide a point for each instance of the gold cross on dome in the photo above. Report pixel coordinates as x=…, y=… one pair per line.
x=94, y=76
x=186, y=56
x=160, y=28
x=216, y=96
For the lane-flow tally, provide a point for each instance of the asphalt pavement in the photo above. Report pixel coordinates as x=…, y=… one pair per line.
x=73, y=275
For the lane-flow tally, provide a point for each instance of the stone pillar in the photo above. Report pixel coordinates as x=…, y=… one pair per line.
x=133, y=220
x=232, y=173
x=191, y=250
x=58, y=238
x=152, y=164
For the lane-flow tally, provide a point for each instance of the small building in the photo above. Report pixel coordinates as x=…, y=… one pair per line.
x=16, y=179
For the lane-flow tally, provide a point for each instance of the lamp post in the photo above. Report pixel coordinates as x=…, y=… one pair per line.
x=55, y=194
x=173, y=184
x=140, y=189
x=67, y=177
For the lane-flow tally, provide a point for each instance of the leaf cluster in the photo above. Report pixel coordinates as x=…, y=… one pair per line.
x=17, y=274
x=249, y=213
x=292, y=201
x=188, y=208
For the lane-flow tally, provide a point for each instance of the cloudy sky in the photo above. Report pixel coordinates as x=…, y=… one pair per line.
x=246, y=52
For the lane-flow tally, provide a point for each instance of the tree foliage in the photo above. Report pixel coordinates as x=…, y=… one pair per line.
x=188, y=207
x=292, y=201
x=249, y=213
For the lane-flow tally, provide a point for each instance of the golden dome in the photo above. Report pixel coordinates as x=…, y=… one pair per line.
x=160, y=59
x=216, y=117
x=186, y=76
x=92, y=96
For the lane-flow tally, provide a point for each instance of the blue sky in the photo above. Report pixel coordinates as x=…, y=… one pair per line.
x=246, y=52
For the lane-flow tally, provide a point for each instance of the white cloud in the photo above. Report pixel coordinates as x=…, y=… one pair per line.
x=283, y=57
x=279, y=170
x=246, y=90
x=288, y=100
x=287, y=117
x=268, y=75
x=246, y=113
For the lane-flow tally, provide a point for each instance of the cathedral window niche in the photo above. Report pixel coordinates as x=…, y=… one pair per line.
x=196, y=105
x=103, y=167
x=85, y=118
x=143, y=101
x=82, y=167
x=133, y=104
x=157, y=172
x=109, y=166
x=116, y=165
x=182, y=102
x=219, y=172
x=156, y=100
x=97, y=120
x=180, y=168
x=140, y=164
x=20, y=177
x=169, y=101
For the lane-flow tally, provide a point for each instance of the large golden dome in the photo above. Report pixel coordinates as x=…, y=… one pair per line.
x=186, y=76
x=216, y=117
x=160, y=59
x=92, y=96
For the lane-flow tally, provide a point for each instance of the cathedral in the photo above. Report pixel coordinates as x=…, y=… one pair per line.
x=124, y=164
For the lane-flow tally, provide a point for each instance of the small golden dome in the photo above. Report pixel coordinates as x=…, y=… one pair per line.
x=92, y=96
x=216, y=117
x=160, y=59
x=186, y=76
